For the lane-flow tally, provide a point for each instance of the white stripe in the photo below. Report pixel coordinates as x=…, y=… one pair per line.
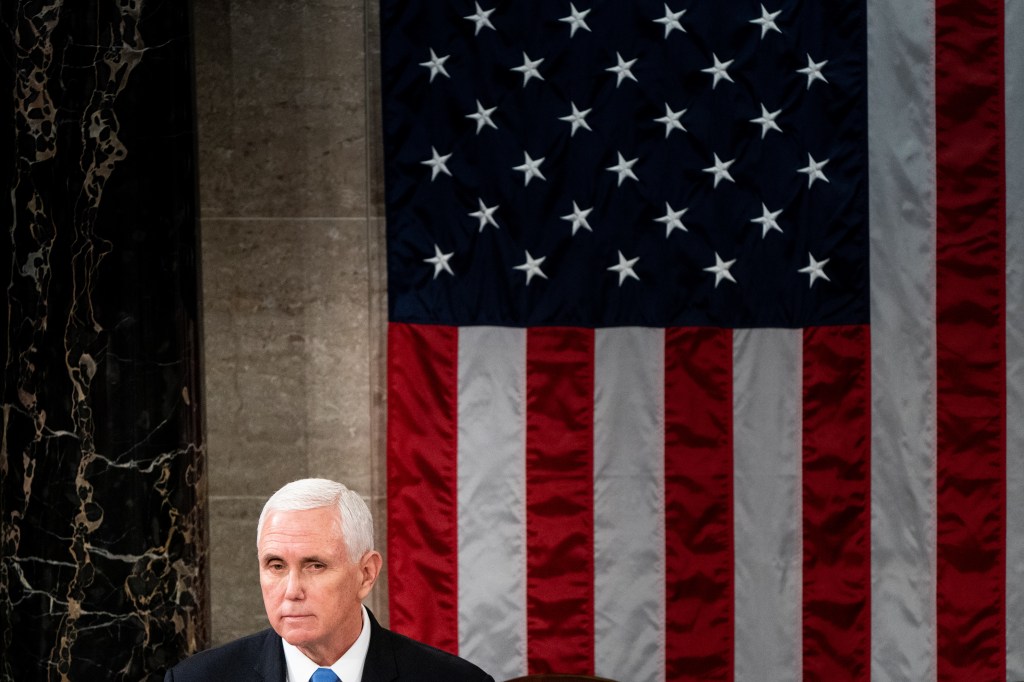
x=902, y=214
x=1015, y=340
x=492, y=499
x=767, y=389
x=629, y=506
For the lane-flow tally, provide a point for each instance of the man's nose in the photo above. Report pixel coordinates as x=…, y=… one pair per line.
x=293, y=586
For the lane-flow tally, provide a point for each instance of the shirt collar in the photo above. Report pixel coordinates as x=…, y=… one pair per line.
x=349, y=667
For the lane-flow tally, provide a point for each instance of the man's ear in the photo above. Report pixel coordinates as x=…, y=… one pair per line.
x=369, y=568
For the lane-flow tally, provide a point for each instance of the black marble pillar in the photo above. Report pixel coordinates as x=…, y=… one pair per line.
x=103, y=489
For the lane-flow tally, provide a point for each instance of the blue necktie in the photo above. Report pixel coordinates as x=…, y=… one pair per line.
x=324, y=675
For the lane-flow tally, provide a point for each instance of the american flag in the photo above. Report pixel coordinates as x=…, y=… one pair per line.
x=705, y=337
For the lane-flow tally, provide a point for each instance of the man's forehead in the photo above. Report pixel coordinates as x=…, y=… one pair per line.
x=317, y=516
x=321, y=525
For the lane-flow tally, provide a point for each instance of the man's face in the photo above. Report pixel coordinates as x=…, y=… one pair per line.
x=311, y=591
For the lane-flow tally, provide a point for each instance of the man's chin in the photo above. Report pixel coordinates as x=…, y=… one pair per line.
x=296, y=630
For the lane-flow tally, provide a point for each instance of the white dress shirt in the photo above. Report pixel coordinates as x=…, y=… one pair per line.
x=348, y=668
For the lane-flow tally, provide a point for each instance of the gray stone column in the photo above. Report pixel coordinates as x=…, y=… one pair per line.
x=102, y=501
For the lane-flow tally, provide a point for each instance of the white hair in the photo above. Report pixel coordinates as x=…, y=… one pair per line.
x=314, y=493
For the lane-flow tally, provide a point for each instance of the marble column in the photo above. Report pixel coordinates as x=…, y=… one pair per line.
x=102, y=501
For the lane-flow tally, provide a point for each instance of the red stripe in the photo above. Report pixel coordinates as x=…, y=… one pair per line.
x=698, y=504
x=422, y=534
x=970, y=340
x=836, y=503
x=559, y=500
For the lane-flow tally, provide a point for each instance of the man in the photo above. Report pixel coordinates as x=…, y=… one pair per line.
x=317, y=563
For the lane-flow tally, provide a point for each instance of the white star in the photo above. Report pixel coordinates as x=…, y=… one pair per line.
x=671, y=120
x=482, y=117
x=436, y=65
x=767, y=21
x=813, y=71
x=577, y=118
x=768, y=220
x=625, y=268
x=576, y=19
x=720, y=170
x=485, y=215
x=721, y=270
x=440, y=262
x=532, y=267
x=813, y=170
x=481, y=18
x=529, y=69
x=530, y=168
x=719, y=70
x=624, y=169
x=672, y=220
x=671, y=20
x=816, y=269
x=437, y=164
x=578, y=217
x=622, y=69
x=767, y=121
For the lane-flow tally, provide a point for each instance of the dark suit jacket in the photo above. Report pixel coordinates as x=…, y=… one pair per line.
x=390, y=658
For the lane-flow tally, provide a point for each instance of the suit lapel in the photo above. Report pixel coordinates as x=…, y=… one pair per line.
x=380, y=658
x=269, y=665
